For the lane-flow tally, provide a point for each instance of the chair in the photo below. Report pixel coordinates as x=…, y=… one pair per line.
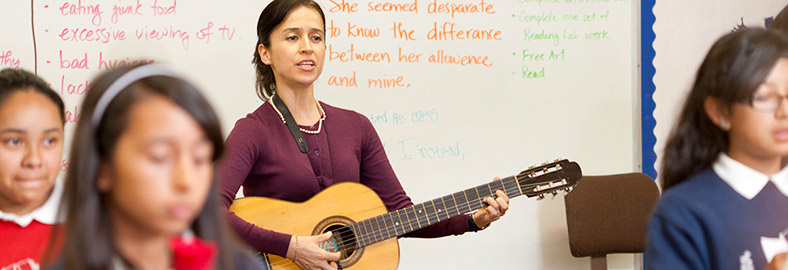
x=609, y=214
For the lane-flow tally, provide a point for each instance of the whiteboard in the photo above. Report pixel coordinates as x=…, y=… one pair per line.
x=546, y=79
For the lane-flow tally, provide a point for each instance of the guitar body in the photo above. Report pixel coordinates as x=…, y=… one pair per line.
x=337, y=205
x=365, y=233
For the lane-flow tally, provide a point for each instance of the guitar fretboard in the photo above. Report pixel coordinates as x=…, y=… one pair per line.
x=412, y=218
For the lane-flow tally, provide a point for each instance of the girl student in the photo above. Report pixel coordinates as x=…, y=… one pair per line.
x=268, y=159
x=725, y=200
x=31, y=148
x=142, y=174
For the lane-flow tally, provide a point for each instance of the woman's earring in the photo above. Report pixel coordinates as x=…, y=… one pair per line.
x=724, y=124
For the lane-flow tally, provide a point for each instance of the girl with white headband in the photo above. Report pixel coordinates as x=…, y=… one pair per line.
x=142, y=174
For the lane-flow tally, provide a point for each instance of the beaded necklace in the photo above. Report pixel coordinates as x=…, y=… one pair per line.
x=319, y=122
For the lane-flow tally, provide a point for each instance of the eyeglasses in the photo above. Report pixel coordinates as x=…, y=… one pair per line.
x=768, y=102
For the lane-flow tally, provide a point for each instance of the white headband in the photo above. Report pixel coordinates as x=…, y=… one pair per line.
x=124, y=81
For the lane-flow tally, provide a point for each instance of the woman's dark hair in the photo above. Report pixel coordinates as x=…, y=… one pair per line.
x=733, y=69
x=780, y=22
x=88, y=241
x=13, y=80
x=270, y=18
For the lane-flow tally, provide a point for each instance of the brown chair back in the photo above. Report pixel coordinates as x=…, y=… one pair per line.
x=609, y=214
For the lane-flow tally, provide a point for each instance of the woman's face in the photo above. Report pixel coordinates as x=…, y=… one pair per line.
x=297, y=48
x=762, y=134
x=161, y=170
x=31, y=146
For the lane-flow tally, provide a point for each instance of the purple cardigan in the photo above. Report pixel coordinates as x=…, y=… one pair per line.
x=262, y=156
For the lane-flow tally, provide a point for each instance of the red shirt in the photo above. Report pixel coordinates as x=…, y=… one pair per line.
x=24, y=239
x=23, y=247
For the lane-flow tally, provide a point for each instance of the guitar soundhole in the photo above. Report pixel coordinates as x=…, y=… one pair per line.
x=342, y=240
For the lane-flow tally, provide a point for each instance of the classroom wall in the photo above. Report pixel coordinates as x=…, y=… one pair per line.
x=537, y=80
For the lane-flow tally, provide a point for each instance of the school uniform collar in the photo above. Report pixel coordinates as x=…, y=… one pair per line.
x=46, y=214
x=745, y=180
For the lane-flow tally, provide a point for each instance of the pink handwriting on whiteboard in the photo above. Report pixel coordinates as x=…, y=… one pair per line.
x=78, y=9
x=118, y=11
x=69, y=88
x=163, y=32
x=6, y=59
x=163, y=9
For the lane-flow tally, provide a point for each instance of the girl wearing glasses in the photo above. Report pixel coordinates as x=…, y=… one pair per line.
x=725, y=200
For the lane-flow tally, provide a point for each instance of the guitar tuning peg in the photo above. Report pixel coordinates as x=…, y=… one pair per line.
x=557, y=159
x=541, y=197
x=531, y=167
x=566, y=192
x=554, y=192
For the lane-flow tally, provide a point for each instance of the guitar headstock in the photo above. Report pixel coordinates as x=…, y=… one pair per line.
x=549, y=178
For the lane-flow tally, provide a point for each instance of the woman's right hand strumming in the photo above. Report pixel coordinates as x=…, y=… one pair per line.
x=305, y=252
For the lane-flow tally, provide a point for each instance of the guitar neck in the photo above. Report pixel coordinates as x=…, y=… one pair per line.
x=405, y=220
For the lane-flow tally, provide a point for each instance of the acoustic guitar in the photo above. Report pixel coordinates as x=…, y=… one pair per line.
x=365, y=233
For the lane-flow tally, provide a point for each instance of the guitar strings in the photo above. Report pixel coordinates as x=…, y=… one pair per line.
x=393, y=227
x=378, y=234
x=346, y=243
